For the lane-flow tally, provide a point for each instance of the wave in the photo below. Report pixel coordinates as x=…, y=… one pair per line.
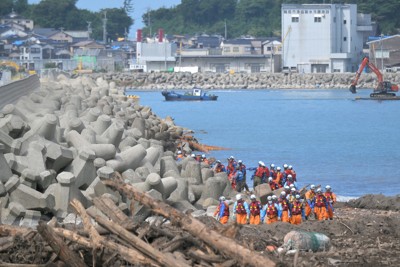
x=344, y=198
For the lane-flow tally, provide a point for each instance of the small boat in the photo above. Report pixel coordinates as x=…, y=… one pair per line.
x=197, y=94
x=131, y=94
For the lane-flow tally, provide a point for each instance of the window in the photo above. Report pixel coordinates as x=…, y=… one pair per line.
x=227, y=49
x=295, y=19
x=344, y=21
x=35, y=50
x=269, y=48
x=317, y=19
x=27, y=21
x=306, y=11
x=344, y=39
x=285, y=12
x=334, y=19
x=236, y=49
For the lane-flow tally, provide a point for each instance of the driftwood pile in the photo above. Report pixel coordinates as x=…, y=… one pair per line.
x=109, y=237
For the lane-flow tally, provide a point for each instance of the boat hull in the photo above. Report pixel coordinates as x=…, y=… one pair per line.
x=172, y=96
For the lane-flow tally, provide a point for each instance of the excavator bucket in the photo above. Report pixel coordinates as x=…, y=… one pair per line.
x=353, y=89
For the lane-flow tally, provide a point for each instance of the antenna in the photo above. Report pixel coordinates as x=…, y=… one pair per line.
x=226, y=31
x=105, y=27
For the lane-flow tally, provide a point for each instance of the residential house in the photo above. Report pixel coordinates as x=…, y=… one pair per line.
x=322, y=37
x=70, y=36
x=14, y=18
x=384, y=52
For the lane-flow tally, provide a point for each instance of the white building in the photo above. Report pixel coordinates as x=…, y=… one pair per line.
x=323, y=37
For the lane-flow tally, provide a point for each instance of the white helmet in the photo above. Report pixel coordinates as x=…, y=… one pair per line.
x=285, y=166
x=328, y=187
x=270, y=179
x=222, y=198
x=290, y=167
x=269, y=198
x=193, y=155
x=231, y=157
x=218, y=161
x=278, y=168
x=289, y=176
x=238, y=197
x=240, y=161
x=283, y=193
x=312, y=187
x=291, y=186
x=261, y=163
x=179, y=152
x=253, y=197
x=287, y=187
x=272, y=165
x=292, y=189
x=274, y=197
x=203, y=156
x=297, y=196
x=319, y=190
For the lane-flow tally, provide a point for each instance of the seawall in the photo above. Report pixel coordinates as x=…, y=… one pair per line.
x=159, y=81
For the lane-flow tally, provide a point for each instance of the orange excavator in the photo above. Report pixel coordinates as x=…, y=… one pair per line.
x=384, y=89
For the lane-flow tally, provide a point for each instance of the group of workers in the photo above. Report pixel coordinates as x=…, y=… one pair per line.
x=289, y=207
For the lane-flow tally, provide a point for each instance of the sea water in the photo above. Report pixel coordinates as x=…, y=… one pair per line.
x=327, y=136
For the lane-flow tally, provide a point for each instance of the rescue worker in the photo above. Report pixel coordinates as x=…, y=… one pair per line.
x=289, y=181
x=293, y=173
x=274, y=199
x=260, y=174
x=231, y=167
x=272, y=170
x=237, y=180
x=297, y=211
x=292, y=195
x=219, y=167
x=270, y=211
x=310, y=194
x=255, y=210
x=243, y=170
x=204, y=159
x=179, y=155
x=331, y=200
x=321, y=205
x=222, y=211
x=287, y=190
x=283, y=208
x=241, y=210
x=278, y=178
x=272, y=184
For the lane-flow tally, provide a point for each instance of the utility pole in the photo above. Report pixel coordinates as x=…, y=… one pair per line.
x=382, y=52
x=148, y=15
x=226, y=31
x=105, y=27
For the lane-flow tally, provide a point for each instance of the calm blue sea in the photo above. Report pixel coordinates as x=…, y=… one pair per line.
x=326, y=135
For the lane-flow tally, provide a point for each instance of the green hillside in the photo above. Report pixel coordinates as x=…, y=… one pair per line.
x=252, y=17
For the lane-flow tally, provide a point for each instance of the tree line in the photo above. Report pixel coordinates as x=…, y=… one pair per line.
x=252, y=17
x=63, y=14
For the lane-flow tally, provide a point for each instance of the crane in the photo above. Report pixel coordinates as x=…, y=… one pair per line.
x=383, y=89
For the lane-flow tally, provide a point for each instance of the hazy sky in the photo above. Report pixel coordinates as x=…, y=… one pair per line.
x=140, y=7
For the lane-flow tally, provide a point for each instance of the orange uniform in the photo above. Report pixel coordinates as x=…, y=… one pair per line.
x=255, y=209
x=309, y=198
x=320, y=207
x=271, y=213
x=297, y=209
x=331, y=200
x=241, y=208
x=284, y=207
x=222, y=212
x=278, y=178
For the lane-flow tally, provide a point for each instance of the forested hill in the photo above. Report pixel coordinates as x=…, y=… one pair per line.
x=253, y=17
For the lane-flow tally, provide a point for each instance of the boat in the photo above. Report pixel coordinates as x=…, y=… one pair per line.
x=197, y=94
x=131, y=94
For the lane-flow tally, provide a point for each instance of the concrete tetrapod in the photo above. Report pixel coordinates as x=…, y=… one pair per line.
x=128, y=159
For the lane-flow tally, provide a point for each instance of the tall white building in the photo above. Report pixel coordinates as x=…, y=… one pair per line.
x=323, y=38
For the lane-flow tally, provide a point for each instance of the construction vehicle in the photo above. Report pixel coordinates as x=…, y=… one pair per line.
x=384, y=89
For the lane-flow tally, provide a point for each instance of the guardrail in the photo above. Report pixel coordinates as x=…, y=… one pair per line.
x=11, y=92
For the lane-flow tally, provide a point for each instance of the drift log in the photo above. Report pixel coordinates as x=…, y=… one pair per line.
x=162, y=258
x=227, y=246
x=59, y=247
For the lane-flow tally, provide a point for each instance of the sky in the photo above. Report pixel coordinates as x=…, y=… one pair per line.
x=140, y=7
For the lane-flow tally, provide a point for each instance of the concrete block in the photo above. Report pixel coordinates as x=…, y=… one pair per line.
x=132, y=177
x=105, y=173
x=127, y=142
x=144, y=142
x=5, y=172
x=14, y=126
x=206, y=173
x=183, y=206
x=46, y=178
x=31, y=219
x=83, y=168
x=128, y=159
x=29, y=178
x=10, y=145
x=182, y=190
x=101, y=124
x=195, y=192
x=99, y=162
x=76, y=124
x=92, y=114
x=153, y=154
x=114, y=133
x=209, y=202
x=140, y=125
x=57, y=157
x=213, y=188
x=140, y=212
x=193, y=170
x=165, y=185
x=31, y=199
x=3, y=190
x=12, y=183
x=168, y=164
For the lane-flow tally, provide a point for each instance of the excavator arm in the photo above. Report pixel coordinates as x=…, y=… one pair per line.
x=365, y=62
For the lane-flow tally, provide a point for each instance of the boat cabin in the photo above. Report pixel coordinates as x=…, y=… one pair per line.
x=196, y=92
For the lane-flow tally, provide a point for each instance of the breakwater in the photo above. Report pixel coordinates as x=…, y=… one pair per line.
x=159, y=81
